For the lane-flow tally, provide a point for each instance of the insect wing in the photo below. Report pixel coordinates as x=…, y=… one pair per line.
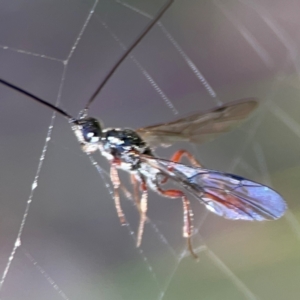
x=200, y=127
x=234, y=197
x=227, y=195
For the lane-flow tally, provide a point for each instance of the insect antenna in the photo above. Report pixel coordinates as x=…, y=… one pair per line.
x=128, y=51
x=53, y=107
x=102, y=84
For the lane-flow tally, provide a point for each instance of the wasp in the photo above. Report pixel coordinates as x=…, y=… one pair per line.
x=227, y=195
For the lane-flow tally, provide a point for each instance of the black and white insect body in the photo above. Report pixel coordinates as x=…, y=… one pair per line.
x=121, y=147
x=125, y=146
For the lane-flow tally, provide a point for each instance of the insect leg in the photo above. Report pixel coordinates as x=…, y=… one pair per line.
x=187, y=214
x=136, y=195
x=116, y=184
x=177, y=156
x=143, y=206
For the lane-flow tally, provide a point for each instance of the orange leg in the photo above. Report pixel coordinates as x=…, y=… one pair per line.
x=143, y=206
x=136, y=196
x=128, y=195
x=187, y=215
x=177, y=156
x=116, y=184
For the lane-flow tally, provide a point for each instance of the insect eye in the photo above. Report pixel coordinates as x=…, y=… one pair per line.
x=91, y=130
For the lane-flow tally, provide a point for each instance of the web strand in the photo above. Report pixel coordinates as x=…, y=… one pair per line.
x=33, y=187
x=48, y=278
x=150, y=79
x=128, y=51
x=18, y=240
x=185, y=57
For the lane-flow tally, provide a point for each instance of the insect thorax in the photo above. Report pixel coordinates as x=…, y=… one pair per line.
x=125, y=146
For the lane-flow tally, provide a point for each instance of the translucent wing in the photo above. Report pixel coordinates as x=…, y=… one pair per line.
x=227, y=195
x=200, y=127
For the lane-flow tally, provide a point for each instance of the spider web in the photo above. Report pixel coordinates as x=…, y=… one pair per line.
x=60, y=237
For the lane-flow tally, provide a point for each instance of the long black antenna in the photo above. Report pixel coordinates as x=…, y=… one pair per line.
x=127, y=52
x=57, y=109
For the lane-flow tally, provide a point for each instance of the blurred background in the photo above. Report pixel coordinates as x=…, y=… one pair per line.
x=60, y=237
